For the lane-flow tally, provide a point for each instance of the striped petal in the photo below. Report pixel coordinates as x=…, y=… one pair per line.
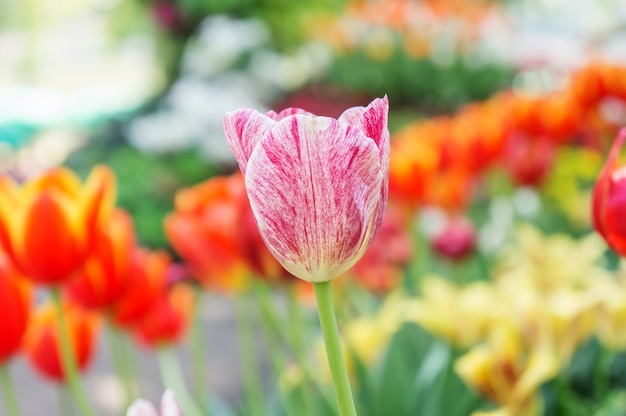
x=372, y=120
x=243, y=130
x=315, y=186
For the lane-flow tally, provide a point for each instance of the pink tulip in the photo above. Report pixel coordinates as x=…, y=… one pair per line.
x=317, y=185
x=169, y=407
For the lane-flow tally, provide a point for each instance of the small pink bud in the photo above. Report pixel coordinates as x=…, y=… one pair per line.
x=456, y=241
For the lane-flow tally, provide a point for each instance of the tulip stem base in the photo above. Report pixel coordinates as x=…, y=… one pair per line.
x=68, y=359
x=338, y=371
x=174, y=379
x=8, y=391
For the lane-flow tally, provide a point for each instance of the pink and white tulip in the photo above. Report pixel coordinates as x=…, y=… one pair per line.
x=317, y=185
x=169, y=407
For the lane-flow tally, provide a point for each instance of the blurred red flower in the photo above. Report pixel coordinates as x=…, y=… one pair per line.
x=54, y=210
x=41, y=343
x=16, y=300
x=105, y=275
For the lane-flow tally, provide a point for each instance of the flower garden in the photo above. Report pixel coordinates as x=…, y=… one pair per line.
x=392, y=207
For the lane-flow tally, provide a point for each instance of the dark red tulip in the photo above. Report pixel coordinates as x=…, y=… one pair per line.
x=609, y=200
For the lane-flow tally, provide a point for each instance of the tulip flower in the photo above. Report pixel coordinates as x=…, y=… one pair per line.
x=529, y=158
x=609, y=202
x=169, y=407
x=41, y=342
x=47, y=226
x=213, y=230
x=15, y=298
x=105, y=275
x=318, y=189
x=506, y=374
x=317, y=185
x=456, y=241
x=148, y=283
x=168, y=318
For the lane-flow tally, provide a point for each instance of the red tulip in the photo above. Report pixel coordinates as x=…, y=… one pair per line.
x=609, y=200
x=48, y=225
x=529, y=158
x=106, y=274
x=15, y=299
x=148, y=282
x=205, y=231
x=42, y=341
x=381, y=267
x=168, y=318
x=456, y=241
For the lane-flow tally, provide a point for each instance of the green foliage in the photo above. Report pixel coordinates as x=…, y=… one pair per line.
x=592, y=384
x=415, y=377
x=421, y=82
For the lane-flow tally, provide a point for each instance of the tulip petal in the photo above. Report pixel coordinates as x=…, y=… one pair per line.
x=47, y=245
x=8, y=199
x=141, y=407
x=603, y=186
x=169, y=405
x=243, y=130
x=286, y=113
x=315, y=187
x=372, y=120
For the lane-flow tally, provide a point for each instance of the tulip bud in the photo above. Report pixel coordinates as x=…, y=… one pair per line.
x=456, y=241
x=317, y=185
x=609, y=200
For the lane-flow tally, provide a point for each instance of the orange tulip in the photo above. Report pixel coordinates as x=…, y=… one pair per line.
x=148, y=282
x=202, y=231
x=41, y=343
x=214, y=231
x=168, y=319
x=48, y=225
x=16, y=299
x=106, y=274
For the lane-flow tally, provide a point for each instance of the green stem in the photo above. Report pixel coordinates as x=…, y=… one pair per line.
x=121, y=363
x=198, y=355
x=68, y=360
x=249, y=361
x=328, y=321
x=173, y=378
x=8, y=391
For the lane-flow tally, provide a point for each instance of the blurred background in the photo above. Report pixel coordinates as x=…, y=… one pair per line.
x=501, y=112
